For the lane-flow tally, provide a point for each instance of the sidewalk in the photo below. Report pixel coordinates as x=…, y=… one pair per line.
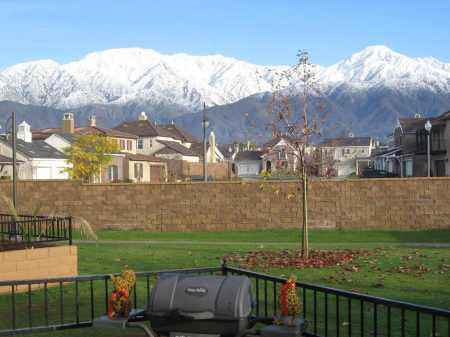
x=209, y=243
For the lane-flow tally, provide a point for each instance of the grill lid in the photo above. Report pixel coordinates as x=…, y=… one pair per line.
x=201, y=297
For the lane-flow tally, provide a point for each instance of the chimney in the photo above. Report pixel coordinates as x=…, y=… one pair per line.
x=143, y=116
x=212, y=147
x=92, y=121
x=24, y=132
x=68, y=123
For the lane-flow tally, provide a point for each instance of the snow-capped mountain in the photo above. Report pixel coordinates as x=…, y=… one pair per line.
x=368, y=91
x=379, y=65
x=121, y=76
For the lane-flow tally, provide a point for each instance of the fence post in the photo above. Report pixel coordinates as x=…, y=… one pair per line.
x=70, y=230
x=224, y=267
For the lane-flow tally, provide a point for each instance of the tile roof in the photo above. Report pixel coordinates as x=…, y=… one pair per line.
x=175, y=147
x=95, y=130
x=248, y=155
x=36, y=149
x=142, y=157
x=411, y=125
x=276, y=140
x=177, y=133
x=445, y=116
x=141, y=128
x=198, y=148
x=7, y=160
x=44, y=133
x=70, y=137
x=346, y=141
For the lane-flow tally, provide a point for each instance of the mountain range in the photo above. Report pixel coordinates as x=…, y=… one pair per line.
x=365, y=93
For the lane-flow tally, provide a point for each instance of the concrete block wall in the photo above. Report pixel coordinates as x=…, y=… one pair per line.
x=36, y=263
x=416, y=203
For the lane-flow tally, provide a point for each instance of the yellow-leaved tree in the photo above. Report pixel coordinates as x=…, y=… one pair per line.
x=88, y=154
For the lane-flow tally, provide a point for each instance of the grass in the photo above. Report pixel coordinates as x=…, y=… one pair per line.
x=291, y=235
x=376, y=275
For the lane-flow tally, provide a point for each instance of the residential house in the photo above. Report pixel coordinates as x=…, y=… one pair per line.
x=248, y=163
x=346, y=155
x=126, y=164
x=169, y=141
x=280, y=155
x=37, y=160
x=408, y=154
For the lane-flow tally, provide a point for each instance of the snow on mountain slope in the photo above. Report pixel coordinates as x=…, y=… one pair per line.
x=136, y=75
x=133, y=74
x=379, y=65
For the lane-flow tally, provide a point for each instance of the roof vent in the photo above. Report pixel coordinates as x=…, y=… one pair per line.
x=24, y=132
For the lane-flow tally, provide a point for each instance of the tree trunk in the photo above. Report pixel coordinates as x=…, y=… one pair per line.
x=305, y=239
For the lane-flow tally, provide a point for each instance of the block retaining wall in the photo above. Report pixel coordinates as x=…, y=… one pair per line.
x=416, y=203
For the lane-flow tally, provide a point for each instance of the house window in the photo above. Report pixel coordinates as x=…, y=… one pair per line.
x=151, y=142
x=343, y=152
x=408, y=168
x=113, y=173
x=129, y=145
x=122, y=144
x=421, y=140
x=439, y=166
x=140, y=143
x=438, y=140
x=138, y=171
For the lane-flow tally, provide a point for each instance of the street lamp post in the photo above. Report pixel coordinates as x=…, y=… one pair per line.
x=205, y=124
x=428, y=129
x=14, y=150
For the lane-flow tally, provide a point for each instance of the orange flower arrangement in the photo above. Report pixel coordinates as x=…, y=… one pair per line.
x=289, y=300
x=119, y=303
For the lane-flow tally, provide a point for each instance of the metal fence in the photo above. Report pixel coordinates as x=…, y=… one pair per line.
x=28, y=229
x=73, y=302
x=336, y=312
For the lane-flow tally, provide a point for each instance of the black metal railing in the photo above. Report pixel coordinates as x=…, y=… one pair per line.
x=74, y=302
x=336, y=312
x=28, y=306
x=30, y=229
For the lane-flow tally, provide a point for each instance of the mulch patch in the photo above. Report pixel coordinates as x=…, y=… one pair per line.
x=294, y=259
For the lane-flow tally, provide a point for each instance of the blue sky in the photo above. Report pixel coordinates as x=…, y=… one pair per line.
x=262, y=32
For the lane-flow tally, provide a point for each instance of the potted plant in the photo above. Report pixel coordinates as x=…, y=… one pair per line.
x=120, y=303
x=290, y=306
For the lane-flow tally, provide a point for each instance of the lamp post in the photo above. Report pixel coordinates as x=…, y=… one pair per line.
x=428, y=129
x=14, y=150
x=205, y=124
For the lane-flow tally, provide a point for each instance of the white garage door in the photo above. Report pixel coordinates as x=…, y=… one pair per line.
x=44, y=173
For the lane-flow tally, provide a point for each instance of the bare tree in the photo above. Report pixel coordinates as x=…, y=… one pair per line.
x=300, y=123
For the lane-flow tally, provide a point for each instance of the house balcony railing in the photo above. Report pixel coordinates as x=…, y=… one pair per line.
x=31, y=229
x=32, y=306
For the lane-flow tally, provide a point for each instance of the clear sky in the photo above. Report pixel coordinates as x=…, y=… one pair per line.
x=258, y=31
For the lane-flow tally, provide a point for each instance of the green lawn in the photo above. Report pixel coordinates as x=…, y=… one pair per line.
x=292, y=235
x=390, y=271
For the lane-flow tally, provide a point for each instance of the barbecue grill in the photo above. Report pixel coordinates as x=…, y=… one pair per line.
x=183, y=305
x=194, y=306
